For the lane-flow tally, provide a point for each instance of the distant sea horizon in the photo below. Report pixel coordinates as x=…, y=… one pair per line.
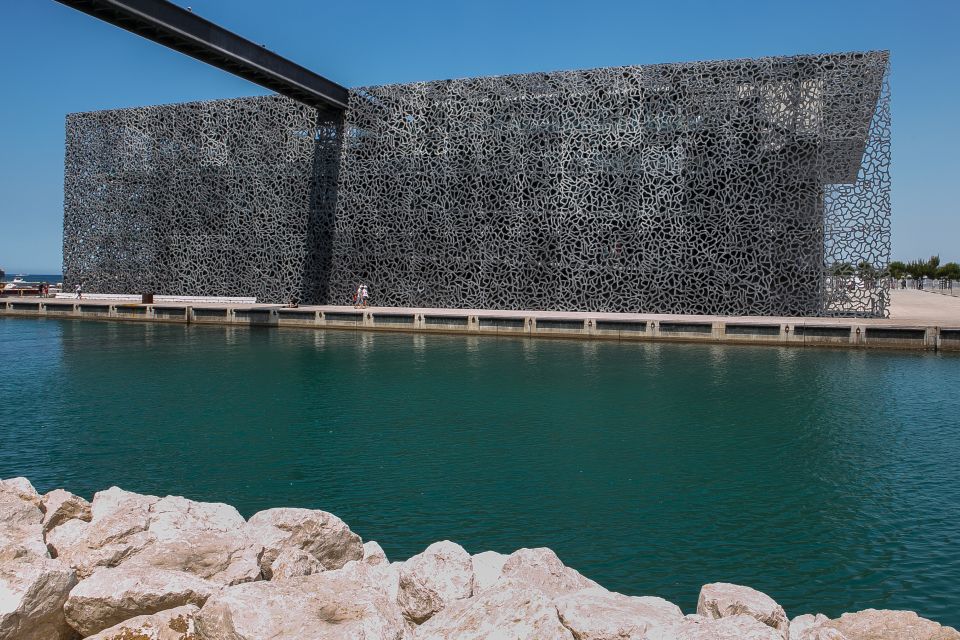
x=33, y=277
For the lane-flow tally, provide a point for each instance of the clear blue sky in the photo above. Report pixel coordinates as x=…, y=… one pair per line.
x=56, y=61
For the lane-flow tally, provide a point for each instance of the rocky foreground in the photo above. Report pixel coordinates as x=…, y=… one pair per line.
x=136, y=567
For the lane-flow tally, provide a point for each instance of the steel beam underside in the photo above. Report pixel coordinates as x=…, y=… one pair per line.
x=181, y=30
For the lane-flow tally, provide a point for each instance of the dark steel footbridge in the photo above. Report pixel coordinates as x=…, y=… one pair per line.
x=184, y=31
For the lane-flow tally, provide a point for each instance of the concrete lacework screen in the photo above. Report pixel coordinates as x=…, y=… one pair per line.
x=731, y=187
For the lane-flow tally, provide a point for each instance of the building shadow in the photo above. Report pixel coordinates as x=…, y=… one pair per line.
x=324, y=178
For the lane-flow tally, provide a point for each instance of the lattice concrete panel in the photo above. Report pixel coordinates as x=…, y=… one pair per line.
x=730, y=187
x=224, y=198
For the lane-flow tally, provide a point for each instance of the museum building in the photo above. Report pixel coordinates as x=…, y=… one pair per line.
x=730, y=187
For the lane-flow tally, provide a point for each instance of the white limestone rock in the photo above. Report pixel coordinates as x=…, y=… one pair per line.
x=206, y=539
x=874, y=624
x=59, y=506
x=722, y=599
x=21, y=528
x=171, y=624
x=541, y=568
x=32, y=593
x=110, y=596
x=68, y=535
x=292, y=563
x=226, y=559
x=511, y=609
x=598, y=614
x=735, y=627
x=384, y=577
x=432, y=579
x=172, y=533
x=487, y=567
x=318, y=533
x=819, y=633
x=373, y=553
x=804, y=622
x=171, y=516
x=21, y=488
x=323, y=606
x=117, y=530
x=810, y=627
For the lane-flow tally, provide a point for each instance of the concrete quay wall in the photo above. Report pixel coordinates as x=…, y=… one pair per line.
x=854, y=333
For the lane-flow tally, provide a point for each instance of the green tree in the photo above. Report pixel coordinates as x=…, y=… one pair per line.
x=843, y=269
x=950, y=271
x=897, y=269
x=916, y=268
x=868, y=273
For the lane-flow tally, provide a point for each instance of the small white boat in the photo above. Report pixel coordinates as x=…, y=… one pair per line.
x=17, y=283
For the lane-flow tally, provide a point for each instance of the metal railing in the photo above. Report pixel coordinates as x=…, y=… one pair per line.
x=942, y=286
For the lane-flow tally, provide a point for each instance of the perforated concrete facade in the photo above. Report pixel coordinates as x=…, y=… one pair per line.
x=729, y=187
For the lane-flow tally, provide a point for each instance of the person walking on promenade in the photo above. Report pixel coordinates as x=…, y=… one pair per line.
x=79, y=290
x=356, y=295
x=364, y=294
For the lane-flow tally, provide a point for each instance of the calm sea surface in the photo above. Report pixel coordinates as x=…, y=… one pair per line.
x=828, y=479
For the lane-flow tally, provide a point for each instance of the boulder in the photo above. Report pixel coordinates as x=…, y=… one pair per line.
x=117, y=530
x=807, y=621
x=721, y=600
x=21, y=521
x=373, y=553
x=32, y=593
x=873, y=624
x=542, y=569
x=428, y=581
x=819, y=632
x=111, y=596
x=736, y=627
x=21, y=488
x=323, y=606
x=172, y=624
x=172, y=533
x=598, y=614
x=486, y=568
x=171, y=516
x=810, y=627
x=206, y=539
x=510, y=609
x=225, y=559
x=318, y=533
x=68, y=535
x=384, y=577
x=60, y=506
x=292, y=563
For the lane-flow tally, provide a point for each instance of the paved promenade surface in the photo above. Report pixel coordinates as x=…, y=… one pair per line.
x=908, y=308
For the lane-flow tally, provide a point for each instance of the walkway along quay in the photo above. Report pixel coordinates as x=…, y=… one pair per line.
x=918, y=321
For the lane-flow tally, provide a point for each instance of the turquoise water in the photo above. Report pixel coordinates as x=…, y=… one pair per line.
x=826, y=478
